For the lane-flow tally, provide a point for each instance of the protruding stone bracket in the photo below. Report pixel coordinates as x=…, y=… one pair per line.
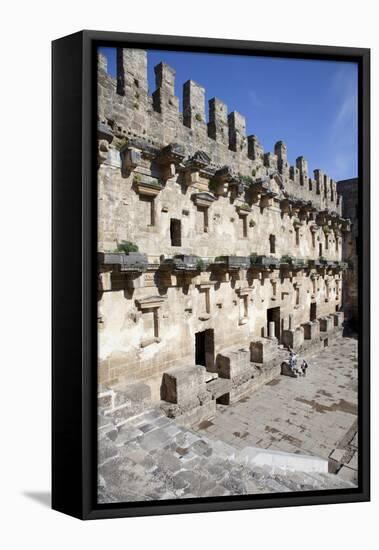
x=232, y=263
x=183, y=263
x=243, y=209
x=173, y=153
x=104, y=132
x=263, y=263
x=203, y=200
x=196, y=166
x=147, y=185
x=105, y=138
x=151, y=302
x=169, y=159
x=130, y=158
x=222, y=178
x=134, y=262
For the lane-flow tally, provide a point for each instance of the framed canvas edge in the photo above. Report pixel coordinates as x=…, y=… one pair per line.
x=84, y=376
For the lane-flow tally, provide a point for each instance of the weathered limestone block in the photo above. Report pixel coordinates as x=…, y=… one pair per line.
x=233, y=364
x=338, y=318
x=181, y=384
x=293, y=338
x=326, y=323
x=311, y=330
x=263, y=350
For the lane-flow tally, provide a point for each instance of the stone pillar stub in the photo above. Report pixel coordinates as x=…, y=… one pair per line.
x=164, y=98
x=237, y=132
x=218, y=128
x=132, y=73
x=193, y=104
x=290, y=321
x=255, y=149
x=102, y=62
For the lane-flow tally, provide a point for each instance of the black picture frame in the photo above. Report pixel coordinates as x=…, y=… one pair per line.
x=74, y=271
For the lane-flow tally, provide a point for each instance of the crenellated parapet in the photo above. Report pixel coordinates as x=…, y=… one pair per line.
x=129, y=113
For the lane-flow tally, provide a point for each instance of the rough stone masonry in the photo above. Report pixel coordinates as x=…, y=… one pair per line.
x=214, y=256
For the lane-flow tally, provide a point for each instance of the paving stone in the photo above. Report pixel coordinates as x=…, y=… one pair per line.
x=348, y=474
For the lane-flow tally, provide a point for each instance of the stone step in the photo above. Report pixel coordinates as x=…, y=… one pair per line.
x=254, y=456
x=219, y=387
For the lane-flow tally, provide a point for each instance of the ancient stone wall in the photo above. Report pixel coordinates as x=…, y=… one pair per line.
x=230, y=239
x=348, y=189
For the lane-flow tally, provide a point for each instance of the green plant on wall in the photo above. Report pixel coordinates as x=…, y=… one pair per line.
x=200, y=265
x=286, y=259
x=198, y=117
x=126, y=247
x=248, y=180
x=213, y=185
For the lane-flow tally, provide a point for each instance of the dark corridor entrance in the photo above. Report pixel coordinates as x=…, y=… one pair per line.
x=313, y=312
x=204, y=348
x=273, y=314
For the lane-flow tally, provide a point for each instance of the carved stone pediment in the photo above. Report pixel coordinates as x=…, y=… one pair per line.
x=171, y=154
x=198, y=161
x=225, y=174
x=203, y=199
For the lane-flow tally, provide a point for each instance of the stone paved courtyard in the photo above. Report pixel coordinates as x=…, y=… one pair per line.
x=149, y=456
x=314, y=415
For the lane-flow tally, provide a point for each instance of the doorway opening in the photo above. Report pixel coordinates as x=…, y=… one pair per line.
x=176, y=232
x=313, y=312
x=273, y=315
x=204, y=349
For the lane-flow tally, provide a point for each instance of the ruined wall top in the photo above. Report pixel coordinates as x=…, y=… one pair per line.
x=128, y=114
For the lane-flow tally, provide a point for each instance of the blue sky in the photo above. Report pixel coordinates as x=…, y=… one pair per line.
x=310, y=104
